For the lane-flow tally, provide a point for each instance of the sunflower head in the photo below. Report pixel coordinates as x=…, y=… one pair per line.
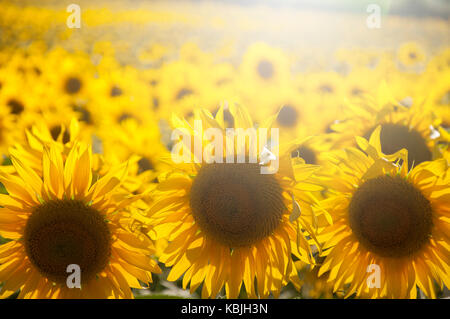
x=63, y=215
x=229, y=217
x=64, y=232
x=385, y=214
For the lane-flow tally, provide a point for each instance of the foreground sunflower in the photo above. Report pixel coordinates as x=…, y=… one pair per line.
x=69, y=216
x=387, y=216
x=228, y=224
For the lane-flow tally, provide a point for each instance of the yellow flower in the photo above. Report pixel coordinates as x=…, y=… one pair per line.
x=409, y=127
x=68, y=216
x=389, y=217
x=262, y=74
x=264, y=66
x=13, y=99
x=228, y=224
x=182, y=85
x=60, y=135
x=411, y=53
x=320, y=93
x=70, y=73
x=147, y=145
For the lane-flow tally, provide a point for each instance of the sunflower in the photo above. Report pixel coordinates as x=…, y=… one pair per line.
x=361, y=81
x=387, y=217
x=67, y=217
x=319, y=93
x=12, y=97
x=182, y=85
x=70, y=74
x=151, y=77
x=263, y=73
x=294, y=111
x=121, y=82
x=223, y=79
x=410, y=127
x=147, y=145
x=228, y=224
x=410, y=54
x=43, y=133
x=263, y=65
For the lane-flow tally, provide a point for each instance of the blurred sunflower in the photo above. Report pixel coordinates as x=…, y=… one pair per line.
x=45, y=132
x=409, y=127
x=146, y=144
x=228, y=224
x=264, y=66
x=181, y=86
x=294, y=111
x=320, y=93
x=70, y=74
x=410, y=54
x=12, y=97
x=385, y=215
x=360, y=81
x=64, y=217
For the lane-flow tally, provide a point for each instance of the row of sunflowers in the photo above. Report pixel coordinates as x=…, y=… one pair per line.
x=88, y=176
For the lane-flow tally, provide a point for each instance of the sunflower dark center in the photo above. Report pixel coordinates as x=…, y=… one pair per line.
x=288, y=116
x=15, y=106
x=85, y=115
x=412, y=55
x=72, y=85
x=235, y=204
x=265, y=69
x=155, y=102
x=55, y=131
x=144, y=165
x=356, y=91
x=306, y=153
x=390, y=217
x=115, y=91
x=126, y=116
x=64, y=232
x=183, y=93
x=394, y=137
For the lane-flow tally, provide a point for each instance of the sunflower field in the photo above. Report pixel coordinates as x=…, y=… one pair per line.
x=112, y=187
